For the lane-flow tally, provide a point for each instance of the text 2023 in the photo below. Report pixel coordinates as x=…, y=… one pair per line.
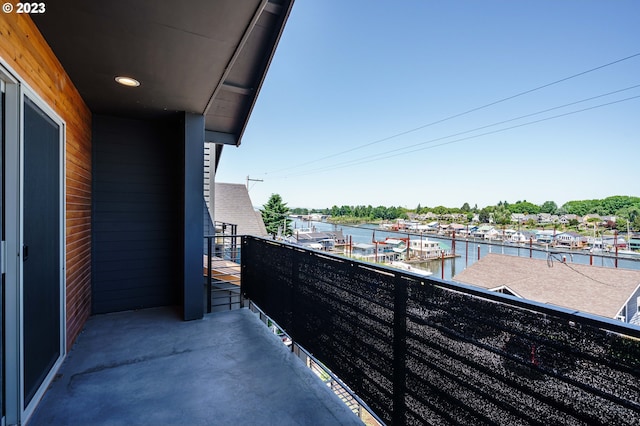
x=31, y=8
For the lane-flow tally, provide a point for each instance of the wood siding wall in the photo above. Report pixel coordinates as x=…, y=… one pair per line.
x=24, y=49
x=137, y=233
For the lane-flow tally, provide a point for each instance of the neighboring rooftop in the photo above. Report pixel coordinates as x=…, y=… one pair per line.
x=233, y=205
x=591, y=289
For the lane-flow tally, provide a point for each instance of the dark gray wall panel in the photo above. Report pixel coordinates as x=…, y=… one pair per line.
x=137, y=198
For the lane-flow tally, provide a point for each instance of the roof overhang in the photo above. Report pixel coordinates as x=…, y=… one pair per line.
x=206, y=57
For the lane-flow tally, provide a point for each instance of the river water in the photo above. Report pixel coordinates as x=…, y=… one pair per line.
x=468, y=251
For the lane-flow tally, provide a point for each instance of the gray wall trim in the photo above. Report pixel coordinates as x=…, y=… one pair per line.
x=193, y=200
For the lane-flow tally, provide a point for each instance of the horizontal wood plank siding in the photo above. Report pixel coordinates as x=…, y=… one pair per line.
x=136, y=224
x=24, y=49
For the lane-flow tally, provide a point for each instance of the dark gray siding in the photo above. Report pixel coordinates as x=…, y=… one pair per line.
x=137, y=198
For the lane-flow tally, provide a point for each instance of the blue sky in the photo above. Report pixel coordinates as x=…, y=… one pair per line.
x=366, y=102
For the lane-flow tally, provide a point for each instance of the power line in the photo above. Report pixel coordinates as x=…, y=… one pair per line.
x=384, y=154
x=457, y=115
x=551, y=257
x=400, y=151
x=395, y=152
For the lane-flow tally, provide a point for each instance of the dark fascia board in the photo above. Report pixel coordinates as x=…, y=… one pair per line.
x=287, y=5
x=220, y=138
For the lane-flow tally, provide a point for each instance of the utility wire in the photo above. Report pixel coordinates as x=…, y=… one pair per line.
x=395, y=152
x=384, y=154
x=551, y=257
x=401, y=151
x=457, y=115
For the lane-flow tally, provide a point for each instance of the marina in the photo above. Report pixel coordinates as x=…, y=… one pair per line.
x=464, y=252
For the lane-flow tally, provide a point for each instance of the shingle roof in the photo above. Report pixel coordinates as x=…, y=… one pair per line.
x=233, y=205
x=592, y=289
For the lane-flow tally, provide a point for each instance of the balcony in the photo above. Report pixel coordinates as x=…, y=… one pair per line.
x=148, y=367
x=414, y=350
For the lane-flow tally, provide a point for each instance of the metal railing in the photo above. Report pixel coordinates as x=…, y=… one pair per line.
x=419, y=349
x=342, y=391
x=221, y=267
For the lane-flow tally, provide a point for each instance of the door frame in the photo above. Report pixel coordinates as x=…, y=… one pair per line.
x=3, y=255
x=15, y=92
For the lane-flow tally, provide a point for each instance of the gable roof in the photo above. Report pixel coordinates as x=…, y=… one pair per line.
x=233, y=205
x=592, y=289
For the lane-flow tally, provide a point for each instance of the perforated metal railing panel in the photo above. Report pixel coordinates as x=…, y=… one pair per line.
x=421, y=350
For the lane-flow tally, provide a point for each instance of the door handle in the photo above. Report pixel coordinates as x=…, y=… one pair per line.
x=25, y=253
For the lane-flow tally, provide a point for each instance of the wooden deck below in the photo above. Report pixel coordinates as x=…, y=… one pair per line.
x=222, y=270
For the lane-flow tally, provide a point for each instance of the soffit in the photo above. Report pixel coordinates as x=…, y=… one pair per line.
x=200, y=56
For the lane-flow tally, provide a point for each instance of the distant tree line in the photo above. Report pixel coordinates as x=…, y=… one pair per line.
x=625, y=208
x=368, y=212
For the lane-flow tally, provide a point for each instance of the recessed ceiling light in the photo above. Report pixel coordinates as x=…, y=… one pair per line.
x=127, y=81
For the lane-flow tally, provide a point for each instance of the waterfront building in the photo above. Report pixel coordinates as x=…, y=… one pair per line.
x=374, y=253
x=424, y=249
x=570, y=240
x=522, y=237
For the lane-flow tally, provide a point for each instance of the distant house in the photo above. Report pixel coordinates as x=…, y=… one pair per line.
x=517, y=218
x=492, y=234
x=433, y=226
x=589, y=219
x=484, y=231
x=565, y=219
x=424, y=249
x=544, y=218
x=468, y=230
x=363, y=249
x=378, y=252
x=507, y=233
x=338, y=237
x=430, y=216
x=544, y=237
x=570, y=240
x=522, y=237
x=454, y=227
x=611, y=242
x=315, y=240
x=608, y=292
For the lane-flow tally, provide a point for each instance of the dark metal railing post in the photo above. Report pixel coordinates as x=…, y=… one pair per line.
x=234, y=244
x=399, y=351
x=209, y=267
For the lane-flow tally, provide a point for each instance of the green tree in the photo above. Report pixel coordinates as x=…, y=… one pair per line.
x=522, y=207
x=485, y=214
x=549, y=207
x=300, y=210
x=440, y=210
x=630, y=215
x=274, y=215
x=465, y=208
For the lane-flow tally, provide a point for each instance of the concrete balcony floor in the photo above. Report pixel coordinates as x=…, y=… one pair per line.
x=148, y=367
